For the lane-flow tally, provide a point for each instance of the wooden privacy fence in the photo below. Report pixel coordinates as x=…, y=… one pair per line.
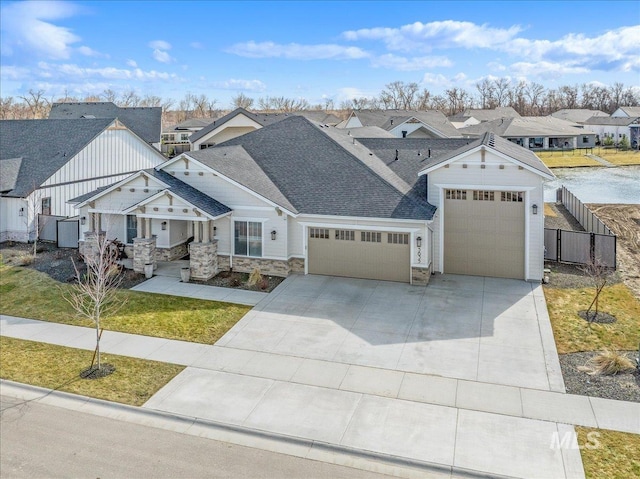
x=589, y=221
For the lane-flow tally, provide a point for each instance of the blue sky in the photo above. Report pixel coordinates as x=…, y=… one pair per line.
x=312, y=50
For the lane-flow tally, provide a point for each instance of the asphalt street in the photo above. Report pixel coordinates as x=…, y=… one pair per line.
x=38, y=440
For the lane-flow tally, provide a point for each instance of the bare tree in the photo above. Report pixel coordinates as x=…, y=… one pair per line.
x=109, y=95
x=94, y=295
x=37, y=104
x=599, y=274
x=486, y=90
x=501, y=91
x=242, y=101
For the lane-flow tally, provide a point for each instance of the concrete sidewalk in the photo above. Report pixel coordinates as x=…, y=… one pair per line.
x=174, y=286
x=241, y=365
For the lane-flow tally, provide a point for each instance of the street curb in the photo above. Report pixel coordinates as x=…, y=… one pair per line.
x=280, y=443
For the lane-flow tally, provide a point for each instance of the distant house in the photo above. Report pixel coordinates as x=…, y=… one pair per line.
x=45, y=163
x=146, y=122
x=627, y=112
x=403, y=123
x=471, y=116
x=294, y=197
x=175, y=139
x=241, y=121
x=578, y=115
x=616, y=128
x=535, y=132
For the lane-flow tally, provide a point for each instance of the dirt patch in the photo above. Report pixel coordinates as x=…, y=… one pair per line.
x=562, y=219
x=623, y=220
x=623, y=386
x=564, y=275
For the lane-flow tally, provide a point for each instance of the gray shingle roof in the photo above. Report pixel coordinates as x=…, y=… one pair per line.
x=187, y=192
x=260, y=118
x=318, y=176
x=44, y=146
x=610, y=121
x=413, y=153
x=389, y=119
x=506, y=147
x=528, y=126
x=9, y=169
x=486, y=114
x=234, y=162
x=578, y=115
x=146, y=122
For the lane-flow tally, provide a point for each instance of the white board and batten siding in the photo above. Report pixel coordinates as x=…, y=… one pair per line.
x=492, y=177
x=236, y=126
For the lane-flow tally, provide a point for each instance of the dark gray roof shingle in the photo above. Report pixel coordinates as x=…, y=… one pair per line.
x=44, y=146
x=318, y=176
x=9, y=169
x=146, y=122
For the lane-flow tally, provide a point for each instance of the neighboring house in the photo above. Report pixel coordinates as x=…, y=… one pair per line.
x=616, y=128
x=471, y=116
x=175, y=139
x=535, y=132
x=578, y=115
x=403, y=123
x=293, y=197
x=627, y=112
x=45, y=163
x=146, y=122
x=241, y=121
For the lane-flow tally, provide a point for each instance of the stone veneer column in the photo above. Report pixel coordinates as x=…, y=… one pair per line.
x=203, y=260
x=144, y=252
x=90, y=248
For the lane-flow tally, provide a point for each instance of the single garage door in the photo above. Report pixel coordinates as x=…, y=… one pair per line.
x=359, y=254
x=484, y=233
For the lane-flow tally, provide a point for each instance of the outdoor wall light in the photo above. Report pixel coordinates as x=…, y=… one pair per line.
x=215, y=229
x=83, y=220
x=21, y=212
x=273, y=235
x=535, y=209
x=419, y=241
x=163, y=225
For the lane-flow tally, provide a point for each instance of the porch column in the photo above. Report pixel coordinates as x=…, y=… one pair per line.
x=203, y=260
x=92, y=222
x=144, y=252
x=205, y=231
x=147, y=226
x=139, y=227
x=196, y=232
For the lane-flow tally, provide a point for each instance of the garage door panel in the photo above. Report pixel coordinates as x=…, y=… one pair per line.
x=359, y=259
x=484, y=237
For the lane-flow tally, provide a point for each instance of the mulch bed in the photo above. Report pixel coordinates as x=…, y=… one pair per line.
x=623, y=386
x=94, y=373
x=235, y=280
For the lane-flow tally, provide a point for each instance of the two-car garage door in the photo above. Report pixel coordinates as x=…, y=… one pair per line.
x=484, y=233
x=359, y=254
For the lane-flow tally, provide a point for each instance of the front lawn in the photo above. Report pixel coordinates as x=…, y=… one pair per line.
x=621, y=158
x=615, y=455
x=57, y=367
x=30, y=294
x=574, y=334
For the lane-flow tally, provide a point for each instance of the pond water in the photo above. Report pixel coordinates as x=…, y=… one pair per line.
x=597, y=185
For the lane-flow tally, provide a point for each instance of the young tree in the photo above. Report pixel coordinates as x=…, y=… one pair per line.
x=599, y=274
x=94, y=295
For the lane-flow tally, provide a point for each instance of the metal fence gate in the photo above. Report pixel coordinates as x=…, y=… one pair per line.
x=579, y=247
x=47, y=227
x=68, y=233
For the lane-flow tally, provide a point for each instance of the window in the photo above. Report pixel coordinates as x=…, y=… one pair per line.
x=45, y=205
x=184, y=136
x=370, y=237
x=585, y=139
x=248, y=238
x=514, y=196
x=456, y=194
x=345, y=235
x=132, y=228
x=480, y=195
x=321, y=233
x=398, y=238
x=536, y=143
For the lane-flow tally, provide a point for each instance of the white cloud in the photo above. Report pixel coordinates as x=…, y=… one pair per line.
x=160, y=45
x=27, y=25
x=436, y=35
x=90, y=52
x=162, y=56
x=9, y=72
x=196, y=45
x=351, y=93
x=546, y=70
x=132, y=63
x=68, y=70
x=296, y=51
x=236, y=84
x=436, y=80
x=399, y=63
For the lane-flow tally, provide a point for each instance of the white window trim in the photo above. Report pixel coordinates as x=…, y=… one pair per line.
x=262, y=232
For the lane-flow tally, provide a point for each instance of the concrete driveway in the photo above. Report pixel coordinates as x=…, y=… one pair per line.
x=465, y=327
x=432, y=375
